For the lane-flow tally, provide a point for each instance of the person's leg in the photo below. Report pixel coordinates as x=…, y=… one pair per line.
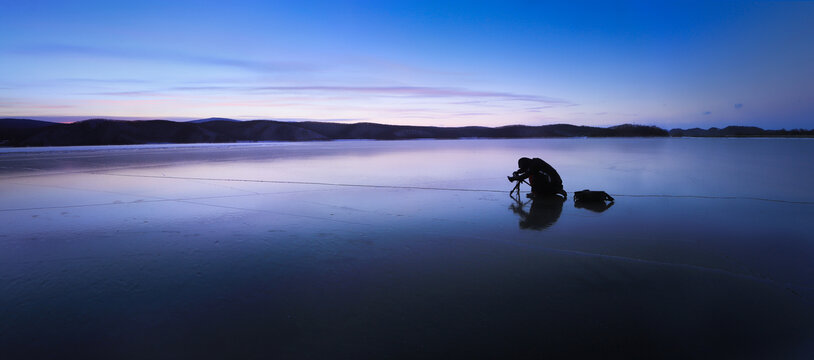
x=548, y=189
x=540, y=187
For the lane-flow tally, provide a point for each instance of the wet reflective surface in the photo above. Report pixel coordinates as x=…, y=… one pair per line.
x=416, y=250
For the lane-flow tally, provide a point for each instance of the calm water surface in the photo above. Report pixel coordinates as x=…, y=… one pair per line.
x=363, y=249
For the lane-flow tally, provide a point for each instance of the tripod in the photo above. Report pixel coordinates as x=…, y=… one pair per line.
x=517, y=188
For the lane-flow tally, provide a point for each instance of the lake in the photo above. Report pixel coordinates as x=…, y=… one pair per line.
x=407, y=249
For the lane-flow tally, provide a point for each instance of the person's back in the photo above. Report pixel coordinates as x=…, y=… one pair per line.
x=548, y=170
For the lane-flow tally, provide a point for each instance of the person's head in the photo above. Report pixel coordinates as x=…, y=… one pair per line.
x=523, y=163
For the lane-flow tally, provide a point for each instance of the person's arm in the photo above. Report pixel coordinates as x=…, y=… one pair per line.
x=521, y=174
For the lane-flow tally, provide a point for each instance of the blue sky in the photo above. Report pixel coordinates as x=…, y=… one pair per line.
x=671, y=64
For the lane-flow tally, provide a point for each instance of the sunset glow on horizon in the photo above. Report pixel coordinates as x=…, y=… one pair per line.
x=412, y=63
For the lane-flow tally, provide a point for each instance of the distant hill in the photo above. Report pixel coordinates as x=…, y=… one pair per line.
x=740, y=131
x=24, y=132
x=212, y=119
x=12, y=130
x=23, y=124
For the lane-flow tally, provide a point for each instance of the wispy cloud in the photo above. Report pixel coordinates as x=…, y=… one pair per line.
x=473, y=114
x=372, y=62
x=616, y=114
x=383, y=91
x=162, y=56
x=15, y=104
x=128, y=93
x=101, y=81
x=420, y=91
x=537, y=109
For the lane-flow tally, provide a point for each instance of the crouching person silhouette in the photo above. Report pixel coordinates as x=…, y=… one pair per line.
x=544, y=180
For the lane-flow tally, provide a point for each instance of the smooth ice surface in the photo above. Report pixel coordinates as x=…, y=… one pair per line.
x=416, y=250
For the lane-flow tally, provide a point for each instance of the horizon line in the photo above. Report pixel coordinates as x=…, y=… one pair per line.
x=348, y=122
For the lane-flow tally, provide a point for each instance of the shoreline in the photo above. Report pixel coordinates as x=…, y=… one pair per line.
x=163, y=145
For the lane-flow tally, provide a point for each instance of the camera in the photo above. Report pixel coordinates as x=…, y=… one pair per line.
x=515, y=177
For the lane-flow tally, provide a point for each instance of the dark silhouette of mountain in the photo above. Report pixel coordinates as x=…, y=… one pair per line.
x=11, y=129
x=23, y=124
x=23, y=132
x=116, y=132
x=740, y=131
x=260, y=130
x=212, y=119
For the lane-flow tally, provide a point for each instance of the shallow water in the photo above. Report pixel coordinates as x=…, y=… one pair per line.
x=407, y=249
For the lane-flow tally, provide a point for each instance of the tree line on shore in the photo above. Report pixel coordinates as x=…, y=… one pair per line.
x=25, y=132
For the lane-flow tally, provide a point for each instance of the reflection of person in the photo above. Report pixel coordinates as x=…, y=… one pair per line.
x=543, y=212
x=544, y=180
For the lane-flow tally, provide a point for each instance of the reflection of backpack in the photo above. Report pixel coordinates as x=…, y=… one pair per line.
x=591, y=196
